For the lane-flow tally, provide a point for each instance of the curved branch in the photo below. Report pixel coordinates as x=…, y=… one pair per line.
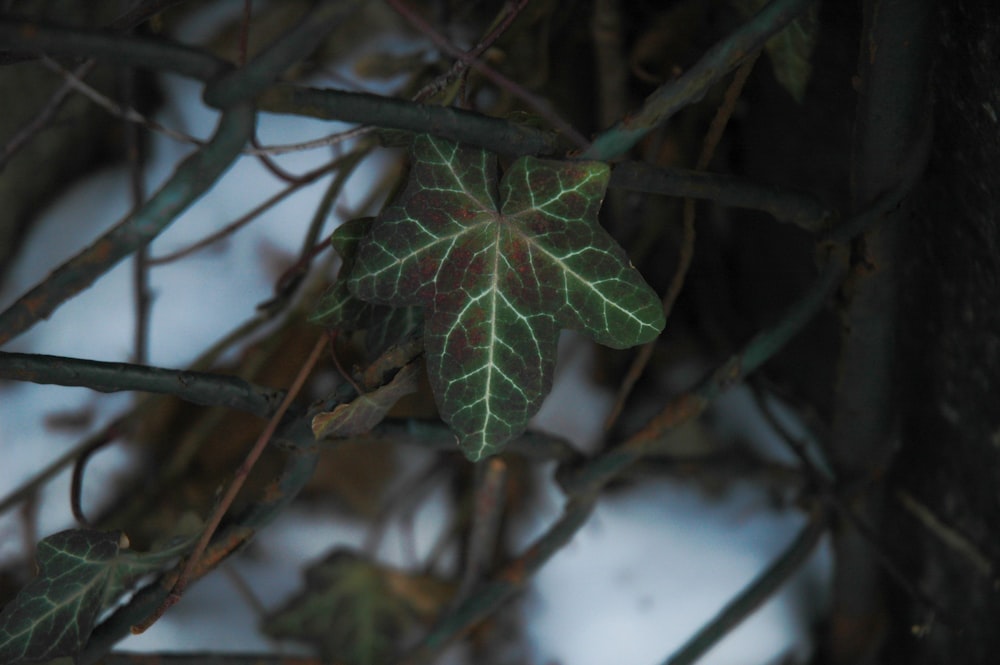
x=493, y=134
x=36, y=38
x=800, y=208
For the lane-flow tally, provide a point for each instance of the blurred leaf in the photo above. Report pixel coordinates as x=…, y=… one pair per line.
x=341, y=310
x=790, y=49
x=81, y=572
x=356, y=611
x=362, y=413
x=54, y=614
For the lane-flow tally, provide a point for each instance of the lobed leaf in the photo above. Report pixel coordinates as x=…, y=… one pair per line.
x=54, y=614
x=499, y=269
x=356, y=611
x=340, y=309
x=81, y=573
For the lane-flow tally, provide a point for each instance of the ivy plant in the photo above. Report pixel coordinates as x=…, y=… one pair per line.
x=499, y=266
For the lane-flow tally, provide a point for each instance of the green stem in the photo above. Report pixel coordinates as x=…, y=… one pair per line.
x=754, y=595
x=197, y=387
x=493, y=134
x=600, y=470
x=241, y=85
x=192, y=178
x=488, y=597
x=799, y=208
x=671, y=97
x=26, y=36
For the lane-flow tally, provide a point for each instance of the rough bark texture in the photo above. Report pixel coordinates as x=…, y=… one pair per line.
x=949, y=460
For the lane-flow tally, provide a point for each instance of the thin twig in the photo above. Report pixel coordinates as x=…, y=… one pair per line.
x=245, y=219
x=692, y=86
x=508, y=582
x=107, y=437
x=44, y=115
x=947, y=534
x=192, y=177
x=117, y=110
x=539, y=106
x=461, y=65
x=600, y=470
x=686, y=255
x=187, y=573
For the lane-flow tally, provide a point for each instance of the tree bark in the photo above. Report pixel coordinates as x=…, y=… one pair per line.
x=944, y=503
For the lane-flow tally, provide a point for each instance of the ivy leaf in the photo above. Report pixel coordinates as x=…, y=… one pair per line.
x=790, y=49
x=365, y=411
x=500, y=269
x=54, y=614
x=356, y=611
x=339, y=308
x=80, y=573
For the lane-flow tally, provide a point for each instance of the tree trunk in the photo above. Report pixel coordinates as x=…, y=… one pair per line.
x=944, y=499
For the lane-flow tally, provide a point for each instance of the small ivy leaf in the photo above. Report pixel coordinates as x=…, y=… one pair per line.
x=499, y=270
x=355, y=611
x=790, y=49
x=340, y=309
x=366, y=411
x=55, y=613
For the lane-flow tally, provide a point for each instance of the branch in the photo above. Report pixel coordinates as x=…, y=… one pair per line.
x=692, y=86
x=785, y=205
x=601, y=469
x=456, y=124
x=753, y=596
x=197, y=387
x=241, y=85
x=488, y=597
x=37, y=38
x=270, y=503
x=190, y=180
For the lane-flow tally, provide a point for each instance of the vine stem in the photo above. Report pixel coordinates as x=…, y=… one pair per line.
x=754, y=595
x=179, y=586
x=498, y=79
x=711, y=142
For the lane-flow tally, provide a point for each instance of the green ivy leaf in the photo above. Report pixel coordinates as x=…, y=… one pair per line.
x=80, y=573
x=500, y=270
x=791, y=49
x=342, y=310
x=356, y=611
x=54, y=614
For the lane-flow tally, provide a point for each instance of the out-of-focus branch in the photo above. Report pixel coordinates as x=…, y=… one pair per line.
x=600, y=470
x=786, y=205
x=692, y=86
x=190, y=180
x=456, y=124
x=754, y=595
x=488, y=597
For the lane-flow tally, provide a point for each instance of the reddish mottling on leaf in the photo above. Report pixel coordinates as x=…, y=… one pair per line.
x=507, y=280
